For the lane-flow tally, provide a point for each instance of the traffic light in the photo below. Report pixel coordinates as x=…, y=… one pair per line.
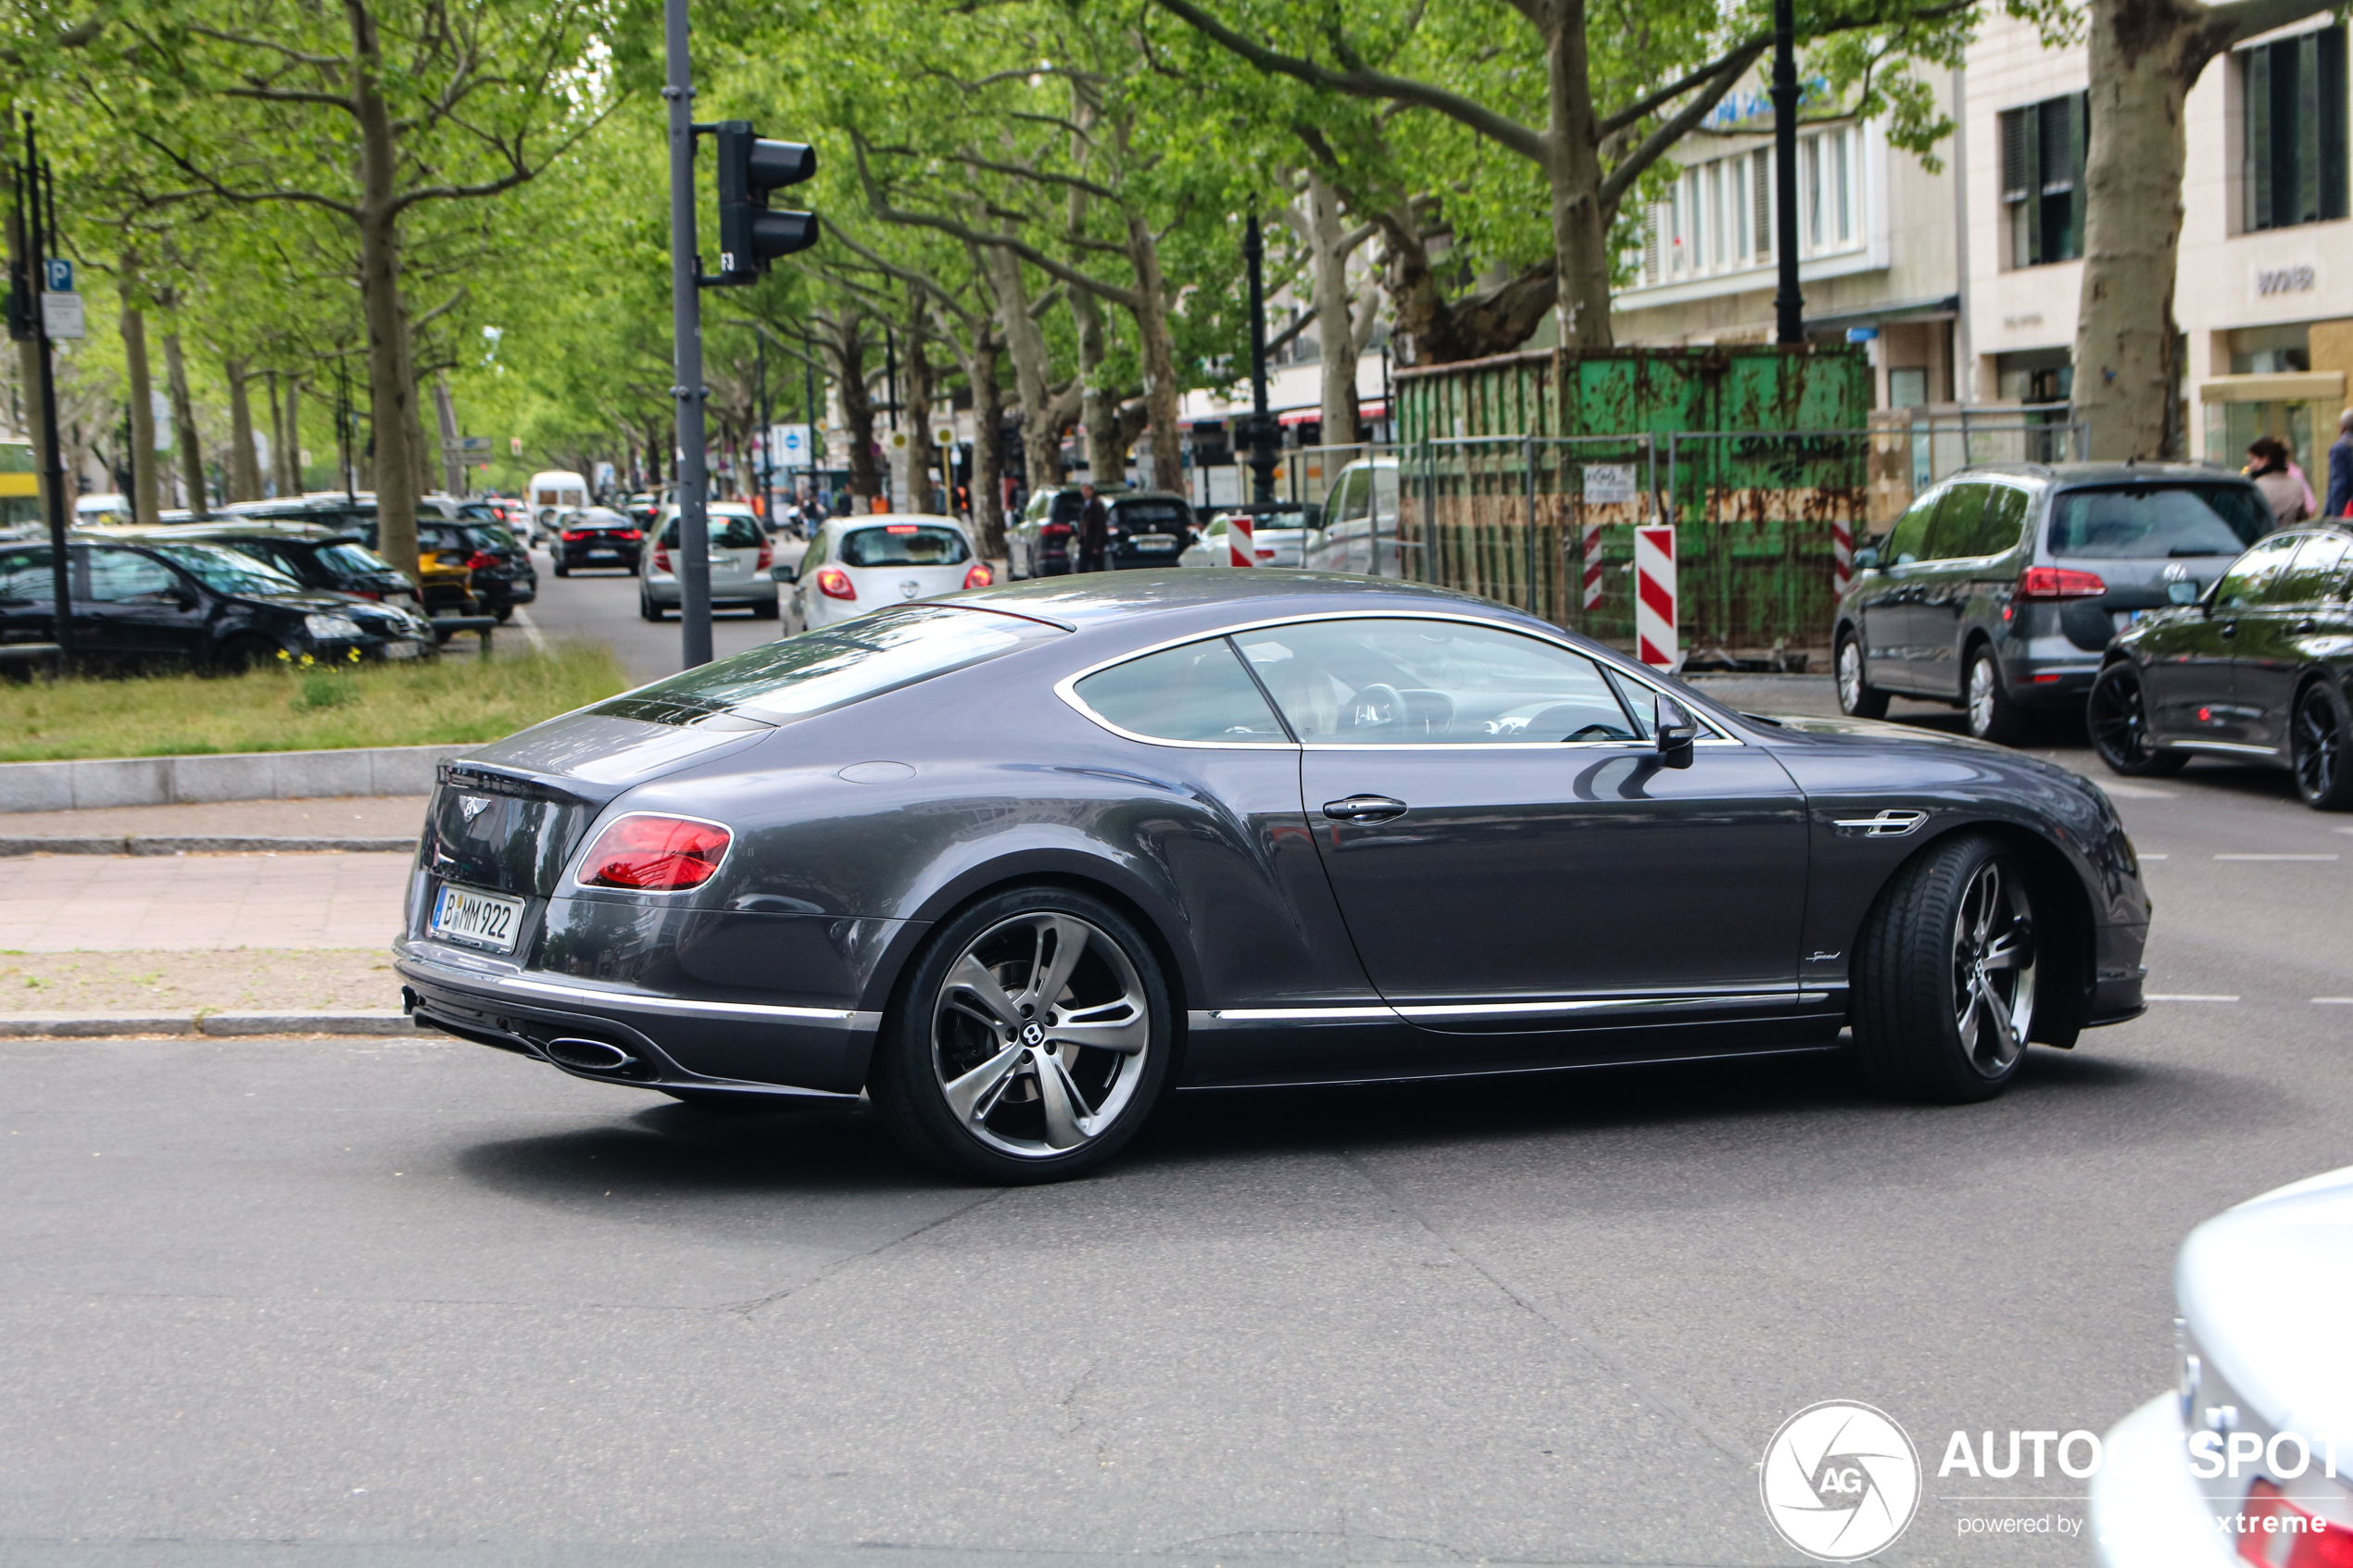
x=749, y=236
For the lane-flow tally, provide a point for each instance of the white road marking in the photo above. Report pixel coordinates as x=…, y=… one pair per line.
x=531, y=634
x=2156, y=857
x=2186, y=996
x=2137, y=792
x=2275, y=857
x=2333, y=1001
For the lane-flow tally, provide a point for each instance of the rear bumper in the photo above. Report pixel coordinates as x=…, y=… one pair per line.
x=2146, y=1511
x=666, y=1042
x=758, y=591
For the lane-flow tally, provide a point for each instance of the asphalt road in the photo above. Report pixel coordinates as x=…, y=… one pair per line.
x=603, y=605
x=417, y=1302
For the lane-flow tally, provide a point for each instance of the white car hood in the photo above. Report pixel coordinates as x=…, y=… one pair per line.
x=2265, y=1288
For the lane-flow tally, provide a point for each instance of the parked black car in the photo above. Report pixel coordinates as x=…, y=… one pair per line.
x=504, y=576
x=1017, y=862
x=1997, y=591
x=596, y=536
x=190, y=602
x=2254, y=669
x=1147, y=528
x=314, y=557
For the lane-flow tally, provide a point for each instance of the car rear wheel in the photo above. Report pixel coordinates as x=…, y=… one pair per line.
x=2117, y=716
x=1992, y=715
x=1029, y=1042
x=765, y=609
x=647, y=608
x=561, y=569
x=1856, y=698
x=2318, y=744
x=1944, y=975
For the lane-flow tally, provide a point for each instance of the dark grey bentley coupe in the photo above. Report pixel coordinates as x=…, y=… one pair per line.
x=1019, y=862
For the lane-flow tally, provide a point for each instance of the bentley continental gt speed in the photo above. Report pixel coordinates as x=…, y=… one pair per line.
x=1018, y=864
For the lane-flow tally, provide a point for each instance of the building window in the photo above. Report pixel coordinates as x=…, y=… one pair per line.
x=1716, y=219
x=2043, y=180
x=1830, y=205
x=2293, y=95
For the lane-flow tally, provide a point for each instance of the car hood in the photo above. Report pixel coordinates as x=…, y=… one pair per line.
x=2263, y=1288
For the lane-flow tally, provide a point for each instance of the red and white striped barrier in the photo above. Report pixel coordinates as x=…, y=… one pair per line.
x=1655, y=595
x=1593, y=564
x=1842, y=553
x=1239, y=540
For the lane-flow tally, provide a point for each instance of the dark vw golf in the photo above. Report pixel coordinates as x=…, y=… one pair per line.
x=1018, y=864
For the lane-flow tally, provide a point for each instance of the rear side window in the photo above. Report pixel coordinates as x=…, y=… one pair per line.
x=833, y=666
x=904, y=543
x=1960, y=518
x=1197, y=693
x=2151, y=522
x=2318, y=572
x=2005, y=521
x=2250, y=579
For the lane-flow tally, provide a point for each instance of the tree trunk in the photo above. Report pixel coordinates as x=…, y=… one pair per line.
x=245, y=466
x=1580, y=228
x=1026, y=341
x=1429, y=328
x=989, y=442
x=1335, y=324
x=145, y=493
x=453, y=462
x=1098, y=410
x=1160, y=392
x=391, y=386
x=915, y=414
x=295, y=478
x=184, y=437
x=857, y=410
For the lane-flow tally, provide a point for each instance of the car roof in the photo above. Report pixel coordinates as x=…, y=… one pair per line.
x=868, y=520
x=1262, y=593
x=258, y=528
x=2104, y=474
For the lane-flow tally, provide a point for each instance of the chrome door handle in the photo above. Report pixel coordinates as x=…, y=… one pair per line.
x=1364, y=808
x=2308, y=625
x=2228, y=629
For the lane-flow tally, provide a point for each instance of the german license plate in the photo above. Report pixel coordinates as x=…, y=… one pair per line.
x=478, y=920
x=1154, y=541
x=403, y=649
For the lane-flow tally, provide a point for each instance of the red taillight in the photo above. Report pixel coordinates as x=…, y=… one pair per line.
x=1054, y=531
x=2057, y=582
x=834, y=583
x=574, y=535
x=655, y=854
x=481, y=560
x=629, y=535
x=366, y=594
x=2274, y=1532
x=1265, y=552
x=979, y=576
x=661, y=557
x=767, y=555
x=898, y=528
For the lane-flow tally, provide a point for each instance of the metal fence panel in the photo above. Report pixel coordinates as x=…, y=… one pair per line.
x=1759, y=517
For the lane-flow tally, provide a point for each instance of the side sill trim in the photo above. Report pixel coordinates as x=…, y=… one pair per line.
x=2236, y=748
x=1238, y=1018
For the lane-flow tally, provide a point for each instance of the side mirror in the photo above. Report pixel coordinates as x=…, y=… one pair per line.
x=1678, y=733
x=2184, y=592
x=1867, y=558
x=784, y=572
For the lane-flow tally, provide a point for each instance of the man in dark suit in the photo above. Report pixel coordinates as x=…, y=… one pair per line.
x=2340, y=468
x=1094, y=530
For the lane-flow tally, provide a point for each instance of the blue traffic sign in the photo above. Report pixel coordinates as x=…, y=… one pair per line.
x=60, y=275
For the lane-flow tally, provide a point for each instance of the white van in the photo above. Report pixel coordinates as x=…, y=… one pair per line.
x=548, y=495
x=1355, y=530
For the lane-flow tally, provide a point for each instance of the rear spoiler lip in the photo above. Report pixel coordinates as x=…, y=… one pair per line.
x=492, y=778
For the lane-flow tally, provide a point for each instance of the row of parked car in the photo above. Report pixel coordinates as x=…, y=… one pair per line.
x=299, y=575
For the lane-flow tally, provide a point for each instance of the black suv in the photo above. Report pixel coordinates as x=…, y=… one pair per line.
x=1999, y=589
x=1147, y=528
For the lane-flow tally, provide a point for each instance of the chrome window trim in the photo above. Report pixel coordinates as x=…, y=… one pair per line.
x=1066, y=689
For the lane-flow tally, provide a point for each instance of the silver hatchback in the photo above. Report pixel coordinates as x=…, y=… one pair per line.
x=740, y=558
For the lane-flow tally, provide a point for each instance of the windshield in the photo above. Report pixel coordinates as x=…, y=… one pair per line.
x=2151, y=522
x=494, y=536
x=226, y=572
x=833, y=666
x=350, y=559
x=904, y=543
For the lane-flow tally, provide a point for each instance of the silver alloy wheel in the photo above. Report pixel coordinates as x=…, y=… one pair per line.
x=1993, y=968
x=1850, y=675
x=1040, y=1034
x=1982, y=693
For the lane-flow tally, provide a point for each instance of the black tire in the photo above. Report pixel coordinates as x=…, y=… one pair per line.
x=941, y=1031
x=504, y=613
x=632, y=568
x=241, y=654
x=647, y=609
x=1857, y=698
x=561, y=569
x=2321, y=747
x=1916, y=966
x=2116, y=714
x=765, y=610
x=1986, y=701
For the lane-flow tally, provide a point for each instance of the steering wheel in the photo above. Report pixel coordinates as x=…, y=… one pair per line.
x=1376, y=706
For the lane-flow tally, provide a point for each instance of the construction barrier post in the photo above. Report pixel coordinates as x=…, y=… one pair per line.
x=1655, y=639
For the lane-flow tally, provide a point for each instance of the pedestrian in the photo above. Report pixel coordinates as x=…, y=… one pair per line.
x=1094, y=529
x=2268, y=466
x=2340, y=502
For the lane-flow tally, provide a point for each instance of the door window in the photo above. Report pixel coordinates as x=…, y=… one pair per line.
x=1420, y=683
x=1908, y=541
x=25, y=577
x=2004, y=520
x=2312, y=576
x=1348, y=498
x=124, y=576
x=2249, y=581
x=1197, y=692
x=1960, y=520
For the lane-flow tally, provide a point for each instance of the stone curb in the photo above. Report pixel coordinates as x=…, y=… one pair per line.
x=103, y=1025
x=248, y=775
x=138, y=844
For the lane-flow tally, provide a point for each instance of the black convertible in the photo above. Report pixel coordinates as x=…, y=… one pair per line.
x=1018, y=862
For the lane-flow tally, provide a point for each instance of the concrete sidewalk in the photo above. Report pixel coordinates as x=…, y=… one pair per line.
x=64, y=903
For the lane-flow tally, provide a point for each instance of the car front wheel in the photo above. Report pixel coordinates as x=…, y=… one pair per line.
x=2117, y=716
x=2319, y=742
x=1028, y=1043
x=1856, y=698
x=1944, y=975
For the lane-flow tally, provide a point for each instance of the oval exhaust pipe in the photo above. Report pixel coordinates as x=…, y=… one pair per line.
x=589, y=1056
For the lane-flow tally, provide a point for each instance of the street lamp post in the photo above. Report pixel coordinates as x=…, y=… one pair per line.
x=1262, y=432
x=685, y=309
x=1789, y=305
x=38, y=196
